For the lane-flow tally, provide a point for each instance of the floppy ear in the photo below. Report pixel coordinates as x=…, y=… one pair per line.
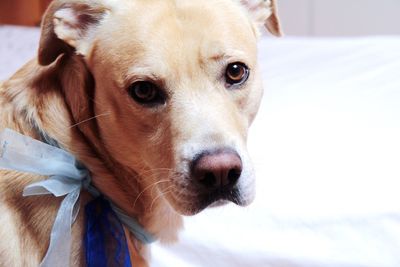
x=264, y=12
x=66, y=27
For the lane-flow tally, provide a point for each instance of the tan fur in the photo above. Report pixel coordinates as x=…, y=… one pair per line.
x=75, y=92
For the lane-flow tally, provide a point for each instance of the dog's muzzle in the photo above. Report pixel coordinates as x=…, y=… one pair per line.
x=216, y=174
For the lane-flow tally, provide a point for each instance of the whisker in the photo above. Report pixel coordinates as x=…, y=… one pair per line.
x=169, y=178
x=145, y=189
x=160, y=195
x=92, y=118
x=144, y=171
x=156, y=170
x=167, y=173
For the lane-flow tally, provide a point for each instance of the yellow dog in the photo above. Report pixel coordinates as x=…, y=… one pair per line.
x=154, y=97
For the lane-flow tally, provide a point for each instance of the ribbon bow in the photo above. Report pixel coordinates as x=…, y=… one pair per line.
x=22, y=153
x=66, y=178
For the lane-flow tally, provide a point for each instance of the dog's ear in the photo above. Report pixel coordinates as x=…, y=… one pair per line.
x=264, y=12
x=66, y=27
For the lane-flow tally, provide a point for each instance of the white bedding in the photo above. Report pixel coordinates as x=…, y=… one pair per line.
x=326, y=146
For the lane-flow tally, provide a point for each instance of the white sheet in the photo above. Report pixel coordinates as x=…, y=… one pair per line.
x=327, y=152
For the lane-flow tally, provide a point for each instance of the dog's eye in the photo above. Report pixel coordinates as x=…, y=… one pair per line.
x=146, y=93
x=237, y=73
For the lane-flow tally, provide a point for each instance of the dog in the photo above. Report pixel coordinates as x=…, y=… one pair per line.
x=154, y=97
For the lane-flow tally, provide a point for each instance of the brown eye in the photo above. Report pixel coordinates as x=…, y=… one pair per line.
x=146, y=93
x=237, y=73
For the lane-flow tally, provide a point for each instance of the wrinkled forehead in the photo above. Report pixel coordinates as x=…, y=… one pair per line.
x=147, y=32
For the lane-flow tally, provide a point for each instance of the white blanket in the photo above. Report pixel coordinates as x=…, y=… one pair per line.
x=326, y=146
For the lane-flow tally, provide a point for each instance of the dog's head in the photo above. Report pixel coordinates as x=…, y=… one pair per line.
x=176, y=87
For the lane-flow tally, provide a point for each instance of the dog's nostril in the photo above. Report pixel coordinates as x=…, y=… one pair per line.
x=233, y=175
x=208, y=180
x=221, y=169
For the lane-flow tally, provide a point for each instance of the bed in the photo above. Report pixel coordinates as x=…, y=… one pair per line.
x=326, y=147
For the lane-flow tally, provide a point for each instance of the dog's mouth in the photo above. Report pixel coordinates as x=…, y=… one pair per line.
x=198, y=203
x=219, y=198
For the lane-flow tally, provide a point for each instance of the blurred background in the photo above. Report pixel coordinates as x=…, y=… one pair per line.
x=299, y=17
x=340, y=17
x=22, y=12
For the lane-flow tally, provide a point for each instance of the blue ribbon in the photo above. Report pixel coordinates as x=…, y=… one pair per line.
x=105, y=240
x=66, y=178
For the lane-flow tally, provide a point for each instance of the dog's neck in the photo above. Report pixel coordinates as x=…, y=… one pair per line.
x=57, y=100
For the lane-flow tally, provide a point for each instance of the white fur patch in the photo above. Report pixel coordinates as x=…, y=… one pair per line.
x=66, y=26
x=260, y=10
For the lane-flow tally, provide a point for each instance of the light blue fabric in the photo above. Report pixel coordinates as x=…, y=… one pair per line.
x=133, y=226
x=66, y=178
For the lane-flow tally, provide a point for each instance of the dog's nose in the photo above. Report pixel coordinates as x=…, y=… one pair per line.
x=217, y=170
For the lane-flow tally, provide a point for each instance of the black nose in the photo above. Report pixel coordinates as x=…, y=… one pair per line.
x=220, y=169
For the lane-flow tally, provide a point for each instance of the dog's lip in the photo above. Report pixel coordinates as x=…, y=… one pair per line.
x=218, y=203
x=219, y=197
x=214, y=199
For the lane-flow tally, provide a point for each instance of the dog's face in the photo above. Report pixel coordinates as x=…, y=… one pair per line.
x=177, y=87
